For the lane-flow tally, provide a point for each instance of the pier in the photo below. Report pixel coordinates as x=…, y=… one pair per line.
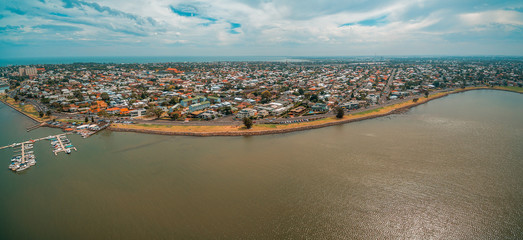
x=35, y=127
x=26, y=158
x=59, y=144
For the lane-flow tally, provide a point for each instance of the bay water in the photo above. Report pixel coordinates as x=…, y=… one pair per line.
x=448, y=169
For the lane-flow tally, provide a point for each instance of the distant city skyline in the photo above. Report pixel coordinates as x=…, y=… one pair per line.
x=66, y=28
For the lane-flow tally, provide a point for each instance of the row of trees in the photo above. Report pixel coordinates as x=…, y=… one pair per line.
x=48, y=113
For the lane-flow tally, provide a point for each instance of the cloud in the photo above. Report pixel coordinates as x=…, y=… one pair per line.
x=336, y=27
x=10, y=28
x=58, y=28
x=15, y=10
x=107, y=10
x=185, y=10
x=503, y=17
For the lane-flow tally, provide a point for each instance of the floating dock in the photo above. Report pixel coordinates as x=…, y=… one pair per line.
x=25, y=158
x=60, y=143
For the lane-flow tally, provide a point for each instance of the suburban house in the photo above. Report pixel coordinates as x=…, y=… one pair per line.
x=199, y=106
x=350, y=105
x=138, y=112
x=320, y=107
x=191, y=101
x=246, y=113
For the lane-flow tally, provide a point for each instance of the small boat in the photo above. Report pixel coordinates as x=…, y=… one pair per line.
x=14, y=166
x=22, y=167
x=68, y=151
x=31, y=162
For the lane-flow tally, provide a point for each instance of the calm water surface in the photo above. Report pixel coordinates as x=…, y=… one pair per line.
x=449, y=169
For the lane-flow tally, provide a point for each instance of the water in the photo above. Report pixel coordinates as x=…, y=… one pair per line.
x=137, y=59
x=449, y=169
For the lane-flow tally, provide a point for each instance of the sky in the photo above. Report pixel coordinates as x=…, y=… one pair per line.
x=66, y=28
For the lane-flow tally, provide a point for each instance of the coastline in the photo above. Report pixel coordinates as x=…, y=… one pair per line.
x=20, y=111
x=265, y=129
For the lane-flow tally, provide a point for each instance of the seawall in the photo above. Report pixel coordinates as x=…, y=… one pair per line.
x=20, y=111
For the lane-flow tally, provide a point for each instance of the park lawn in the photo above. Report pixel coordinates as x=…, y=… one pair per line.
x=177, y=128
x=27, y=109
x=514, y=89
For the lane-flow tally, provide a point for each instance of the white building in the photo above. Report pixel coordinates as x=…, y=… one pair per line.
x=28, y=71
x=246, y=113
x=137, y=113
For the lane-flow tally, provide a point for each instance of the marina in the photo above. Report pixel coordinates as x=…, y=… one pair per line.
x=60, y=143
x=24, y=157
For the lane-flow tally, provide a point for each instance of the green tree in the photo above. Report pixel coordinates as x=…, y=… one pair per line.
x=48, y=113
x=41, y=114
x=314, y=98
x=155, y=111
x=174, y=115
x=86, y=119
x=174, y=100
x=226, y=110
x=247, y=122
x=339, y=112
x=103, y=113
x=266, y=96
x=415, y=100
x=78, y=94
x=301, y=91
x=105, y=96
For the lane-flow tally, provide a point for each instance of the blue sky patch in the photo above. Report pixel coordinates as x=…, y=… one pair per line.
x=188, y=11
x=15, y=11
x=369, y=22
x=234, y=26
x=59, y=14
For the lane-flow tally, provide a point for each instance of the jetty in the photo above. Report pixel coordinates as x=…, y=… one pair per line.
x=24, y=157
x=35, y=127
x=61, y=144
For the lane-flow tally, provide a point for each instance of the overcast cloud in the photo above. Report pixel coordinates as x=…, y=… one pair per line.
x=37, y=28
